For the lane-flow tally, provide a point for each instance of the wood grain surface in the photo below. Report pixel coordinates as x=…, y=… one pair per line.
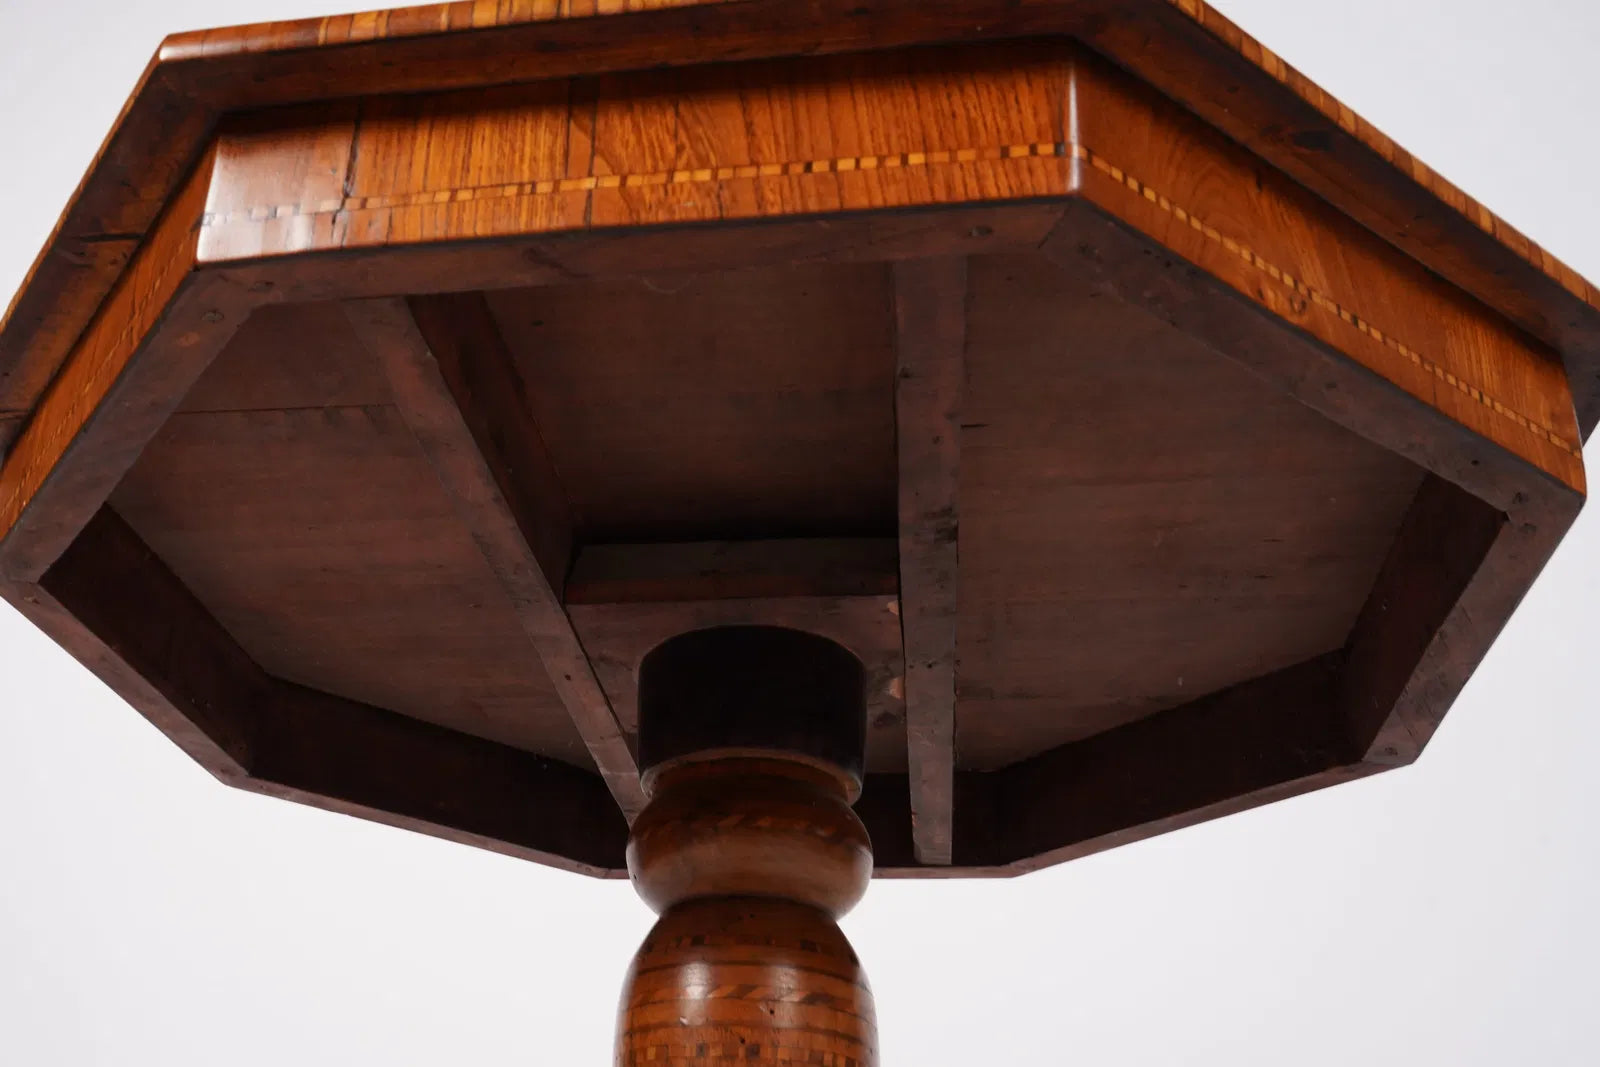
x=786, y=374
x=750, y=981
x=619, y=635
x=1162, y=439
x=154, y=642
x=1220, y=209
x=324, y=541
x=625, y=600
x=733, y=570
x=749, y=827
x=10, y=427
x=1271, y=738
x=1195, y=55
x=458, y=391
x=44, y=502
x=930, y=306
x=1455, y=573
x=1143, y=521
x=720, y=143
x=116, y=607
x=1183, y=47
x=750, y=863
x=750, y=142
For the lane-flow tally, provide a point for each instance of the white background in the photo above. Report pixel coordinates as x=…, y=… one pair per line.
x=1444, y=914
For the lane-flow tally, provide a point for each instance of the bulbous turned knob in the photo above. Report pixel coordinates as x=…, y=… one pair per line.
x=750, y=827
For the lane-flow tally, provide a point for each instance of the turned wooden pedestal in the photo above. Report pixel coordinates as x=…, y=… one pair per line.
x=750, y=852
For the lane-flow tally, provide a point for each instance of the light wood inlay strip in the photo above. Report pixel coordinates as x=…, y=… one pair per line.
x=1351, y=318
x=591, y=182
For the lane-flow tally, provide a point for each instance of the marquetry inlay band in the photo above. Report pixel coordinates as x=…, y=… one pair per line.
x=1322, y=300
x=592, y=182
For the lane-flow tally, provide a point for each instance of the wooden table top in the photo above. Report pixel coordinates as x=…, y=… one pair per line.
x=1162, y=438
x=1183, y=47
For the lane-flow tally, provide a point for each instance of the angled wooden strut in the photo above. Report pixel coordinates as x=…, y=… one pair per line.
x=930, y=336
x=456, y=387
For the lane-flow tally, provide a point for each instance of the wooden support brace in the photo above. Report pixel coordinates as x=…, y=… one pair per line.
x=930, y=323
x=456, y=387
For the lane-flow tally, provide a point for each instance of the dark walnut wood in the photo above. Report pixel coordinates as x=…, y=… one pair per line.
x=1159, y=438
x=453, y=382
x=930, y=309
x=752, y=689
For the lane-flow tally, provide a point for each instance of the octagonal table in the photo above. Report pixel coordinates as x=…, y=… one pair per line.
x=759, y=445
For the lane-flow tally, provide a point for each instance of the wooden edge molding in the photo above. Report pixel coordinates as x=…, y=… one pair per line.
x=457, y=388
x=1104, y=251
x=96, y=421
x=395, y=24
x=1454, y=575
x=1183, y=47
x=161, y=327
x=646, y=252
x=734, y=570
x=347, y=757
x=117, y=608
x=930, y=300
x=1195, y=55
x=1456, y=571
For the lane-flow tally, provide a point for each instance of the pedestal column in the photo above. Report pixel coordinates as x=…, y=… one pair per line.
x=751, y=739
